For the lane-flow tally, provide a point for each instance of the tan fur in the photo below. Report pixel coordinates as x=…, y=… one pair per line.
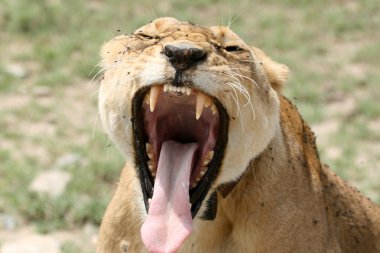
x=285, y=199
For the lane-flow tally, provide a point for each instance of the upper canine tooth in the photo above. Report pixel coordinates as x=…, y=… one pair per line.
x=188, y=91
x=200, y=104
x=154, y=92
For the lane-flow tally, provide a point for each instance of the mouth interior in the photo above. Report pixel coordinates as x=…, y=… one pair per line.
x=174, y=119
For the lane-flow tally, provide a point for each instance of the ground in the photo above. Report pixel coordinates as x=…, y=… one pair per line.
x=48, y=90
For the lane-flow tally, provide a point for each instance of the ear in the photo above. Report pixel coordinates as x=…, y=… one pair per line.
x=277, y=73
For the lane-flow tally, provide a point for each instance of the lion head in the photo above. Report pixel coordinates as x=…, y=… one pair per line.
x=190, y=107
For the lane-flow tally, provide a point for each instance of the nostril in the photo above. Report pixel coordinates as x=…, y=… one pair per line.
x=170, y=50
x=196, y=54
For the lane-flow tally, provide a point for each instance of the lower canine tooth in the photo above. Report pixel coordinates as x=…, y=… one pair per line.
x=200, y=103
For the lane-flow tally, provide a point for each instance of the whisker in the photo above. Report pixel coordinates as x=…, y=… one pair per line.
x=251, y=61
x=242, y=90
x=94, y=127
x=94, y=93
x=248, y=78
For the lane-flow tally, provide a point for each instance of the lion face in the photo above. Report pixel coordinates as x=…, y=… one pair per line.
x=189, y=105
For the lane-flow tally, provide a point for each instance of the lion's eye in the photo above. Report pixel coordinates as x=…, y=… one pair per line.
x=233, y=48
x=145, y=36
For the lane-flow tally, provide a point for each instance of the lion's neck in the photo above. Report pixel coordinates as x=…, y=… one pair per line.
x=277, y=177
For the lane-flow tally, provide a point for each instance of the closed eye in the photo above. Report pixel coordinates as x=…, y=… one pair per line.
x=144, y=36
x=233, y=48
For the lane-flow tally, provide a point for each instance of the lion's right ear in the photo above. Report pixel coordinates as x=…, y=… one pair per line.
x=277, y=73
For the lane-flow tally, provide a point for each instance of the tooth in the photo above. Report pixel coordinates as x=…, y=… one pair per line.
x=183, y=89
x=193, y=185
x=206, y=162
x=208, y=101
x=148, y=149
x=166, y=87
x=149, y=200
x=203, y=171
x=210, y=154
x=188, y=91
x=213, y=109
x=151, y=166
x=198, y=179
x=146, y=98
x=200, y=103
x=154, y=92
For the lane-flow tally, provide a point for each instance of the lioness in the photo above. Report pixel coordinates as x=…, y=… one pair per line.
x=217, y=160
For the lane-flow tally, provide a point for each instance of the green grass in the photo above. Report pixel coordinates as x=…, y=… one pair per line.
x=57, y=42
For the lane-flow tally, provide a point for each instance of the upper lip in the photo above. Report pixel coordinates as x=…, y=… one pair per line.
x=146, y=174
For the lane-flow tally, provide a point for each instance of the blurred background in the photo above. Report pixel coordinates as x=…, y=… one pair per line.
x=57, y=167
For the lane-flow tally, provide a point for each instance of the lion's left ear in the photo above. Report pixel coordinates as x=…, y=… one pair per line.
x=277, y=73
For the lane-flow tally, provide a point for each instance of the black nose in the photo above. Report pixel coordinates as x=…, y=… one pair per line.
x=182, y=58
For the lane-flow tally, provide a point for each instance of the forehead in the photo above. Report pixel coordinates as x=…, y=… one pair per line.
x=170, y=25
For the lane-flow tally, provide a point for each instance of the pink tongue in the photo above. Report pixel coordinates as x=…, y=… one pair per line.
x=169, y=220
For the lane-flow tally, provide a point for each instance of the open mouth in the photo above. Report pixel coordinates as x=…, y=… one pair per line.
x=182, y=123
